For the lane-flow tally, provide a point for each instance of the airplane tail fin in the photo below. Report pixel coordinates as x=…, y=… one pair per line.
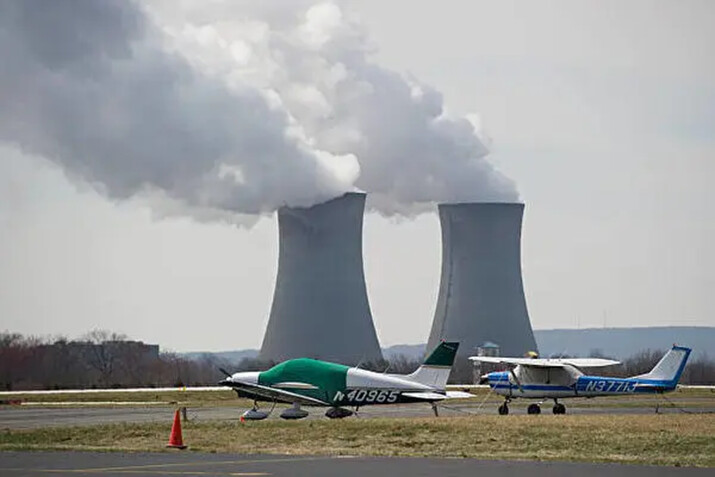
x=669, y=369
x=435, y=369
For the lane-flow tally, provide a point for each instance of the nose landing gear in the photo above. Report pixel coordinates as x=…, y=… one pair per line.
x=559, y=408
x=256, y=414
x=504, y=408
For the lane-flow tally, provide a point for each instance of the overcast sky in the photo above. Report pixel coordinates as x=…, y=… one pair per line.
x=602, y=113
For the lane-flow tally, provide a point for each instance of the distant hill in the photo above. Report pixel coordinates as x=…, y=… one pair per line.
x=618, y=343
x=410, y=351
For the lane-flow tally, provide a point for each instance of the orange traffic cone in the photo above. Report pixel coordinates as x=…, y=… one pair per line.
x=175, y=439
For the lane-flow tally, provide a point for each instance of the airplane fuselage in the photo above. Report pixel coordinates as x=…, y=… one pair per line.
x=331, y=384
x=539, y=378
x=584, y=386
x=311, y=382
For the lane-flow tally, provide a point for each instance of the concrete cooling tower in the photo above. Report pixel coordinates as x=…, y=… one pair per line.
x=481, y=295
x=320, y=306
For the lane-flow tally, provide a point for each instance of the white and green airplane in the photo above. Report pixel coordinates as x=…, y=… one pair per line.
x=311, y=382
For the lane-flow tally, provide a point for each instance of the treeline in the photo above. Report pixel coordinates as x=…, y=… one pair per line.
x=700, y=370
x=102, y=359
x=99, y=359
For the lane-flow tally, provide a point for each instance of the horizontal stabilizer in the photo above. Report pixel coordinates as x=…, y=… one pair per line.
x=427, y=396
x=653, y=387
x=459, y=395
x=430, y=396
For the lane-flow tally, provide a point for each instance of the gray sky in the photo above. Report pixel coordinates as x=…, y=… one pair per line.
x=603, y=113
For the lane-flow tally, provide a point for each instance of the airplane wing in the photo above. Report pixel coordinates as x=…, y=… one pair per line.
x=590, y=362
x=548, y=363
x=270, y=393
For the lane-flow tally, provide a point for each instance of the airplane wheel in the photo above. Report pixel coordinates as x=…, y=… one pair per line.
x=533, y=409
x=503, y=410
x=338, y=413
x=559, y=409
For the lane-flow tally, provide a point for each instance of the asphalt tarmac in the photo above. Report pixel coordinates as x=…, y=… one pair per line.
x=32, y=417
x=33, y=464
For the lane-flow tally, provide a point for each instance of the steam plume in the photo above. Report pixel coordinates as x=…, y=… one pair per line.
x=230, y=107
x=89, y=85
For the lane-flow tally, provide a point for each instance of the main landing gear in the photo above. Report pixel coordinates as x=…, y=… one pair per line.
x=533, y=409
x=256, y=414
x=294, y=412
x=338, y=413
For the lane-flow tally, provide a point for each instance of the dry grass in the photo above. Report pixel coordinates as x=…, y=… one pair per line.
x=640, y=439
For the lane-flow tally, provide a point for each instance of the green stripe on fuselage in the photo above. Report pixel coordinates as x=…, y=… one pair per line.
x=329, y=378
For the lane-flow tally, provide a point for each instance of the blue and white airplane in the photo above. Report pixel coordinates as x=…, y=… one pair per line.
x=562, y=378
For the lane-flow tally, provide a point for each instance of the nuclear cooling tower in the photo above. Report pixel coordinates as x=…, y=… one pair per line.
x=320, y=306
x=481, y=296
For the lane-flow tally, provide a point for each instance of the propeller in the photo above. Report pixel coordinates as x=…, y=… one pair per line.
x=227, y=381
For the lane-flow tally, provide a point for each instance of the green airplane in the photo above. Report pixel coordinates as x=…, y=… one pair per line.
x=311, y=382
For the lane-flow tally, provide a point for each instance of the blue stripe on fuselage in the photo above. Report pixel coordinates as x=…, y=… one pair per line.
x=605, y=385
x=585, y=385
x=498, y=377
x=532, y=387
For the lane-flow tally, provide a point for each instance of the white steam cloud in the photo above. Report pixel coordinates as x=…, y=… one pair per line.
x=229, y=108
x=89, y=85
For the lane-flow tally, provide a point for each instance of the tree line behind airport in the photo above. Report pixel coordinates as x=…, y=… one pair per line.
x=102, y=359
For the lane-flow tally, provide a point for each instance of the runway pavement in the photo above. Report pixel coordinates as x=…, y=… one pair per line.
x=32, y=417
x=33, y=464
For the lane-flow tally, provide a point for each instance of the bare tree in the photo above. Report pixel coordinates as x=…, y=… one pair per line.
x=403, y=364
x=700, y=371
x=13, y=357
x=103, y=353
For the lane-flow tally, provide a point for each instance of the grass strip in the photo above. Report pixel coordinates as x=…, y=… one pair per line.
x=670, y=440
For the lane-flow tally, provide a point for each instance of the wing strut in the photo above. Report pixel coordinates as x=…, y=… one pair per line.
x=518, y=383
